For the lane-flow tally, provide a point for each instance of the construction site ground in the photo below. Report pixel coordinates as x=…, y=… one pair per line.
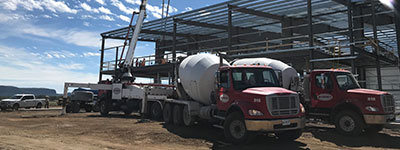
x=46, y=129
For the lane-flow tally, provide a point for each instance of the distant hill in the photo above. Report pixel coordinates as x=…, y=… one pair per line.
x=11, y=90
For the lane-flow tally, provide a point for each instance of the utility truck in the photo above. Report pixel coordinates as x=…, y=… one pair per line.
x=21, y=101
x=335, y=96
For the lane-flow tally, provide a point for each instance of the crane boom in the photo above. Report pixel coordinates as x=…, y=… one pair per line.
x=132, y=44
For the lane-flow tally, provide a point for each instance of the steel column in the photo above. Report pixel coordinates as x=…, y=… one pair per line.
x=175, y=74
x=116, y=60
x=310, y=34
x=351, y=37
x=376, y=45
x=397, y=22
x=229, y=28
x=103, y=41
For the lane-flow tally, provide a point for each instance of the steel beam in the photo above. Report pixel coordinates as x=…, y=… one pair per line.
x=201, y=24
x=103, y=42
x=175, y=74
x=377, y=51
x=350, y=33
x=255, y=12
x=229, y=28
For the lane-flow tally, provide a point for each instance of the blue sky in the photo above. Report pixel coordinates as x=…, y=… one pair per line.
x=44, y=43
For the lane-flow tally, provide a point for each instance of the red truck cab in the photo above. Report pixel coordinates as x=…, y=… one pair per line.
x=335, y=95
x=252, y=100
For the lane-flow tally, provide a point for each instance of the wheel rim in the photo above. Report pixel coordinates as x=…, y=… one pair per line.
x=347, y=123
x=237, y=129
x=155, y=110
x=103, y=107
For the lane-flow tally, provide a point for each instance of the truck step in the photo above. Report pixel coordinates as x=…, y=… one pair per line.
x=219, y=117
x=218, y=126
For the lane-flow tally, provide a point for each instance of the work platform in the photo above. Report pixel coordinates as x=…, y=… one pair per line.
x=308, y=34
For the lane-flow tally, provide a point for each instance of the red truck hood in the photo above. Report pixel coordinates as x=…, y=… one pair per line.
x=366, y=91
x=267, y=91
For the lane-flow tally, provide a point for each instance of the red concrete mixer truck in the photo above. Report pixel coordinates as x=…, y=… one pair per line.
x=335, y=96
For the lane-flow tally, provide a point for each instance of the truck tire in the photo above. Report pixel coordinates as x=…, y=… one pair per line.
x=75, y=107
x=167, y=113
x=375, y=128
x=188, y=120
x=290, y=135
x=348, y=122
x=96, y=108
x=156, y=111
x=177, y=115
x=15, y=107
x=88, y=108
x=235, y=129
x=68, y=109
x=103, y=108
x=39, y=105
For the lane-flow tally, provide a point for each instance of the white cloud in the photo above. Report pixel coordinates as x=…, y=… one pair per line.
x=188, y=8
x=105, y=10
x=86, y=24
x=88, y=8
x=51, y=5
x=70, y=17
x=95, y=10
x=105, y=17
x=90, y=54
x=74, y=66
x=34, y=72
x=71, y=36
x=154, y=10
x=6, y=18
x=102, y=2
x=47, y=16
x=122, y=7
x=124, y=18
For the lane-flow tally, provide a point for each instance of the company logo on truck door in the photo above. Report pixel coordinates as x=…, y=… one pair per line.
x=325, y=97
x=224, y=98
x=116, y=91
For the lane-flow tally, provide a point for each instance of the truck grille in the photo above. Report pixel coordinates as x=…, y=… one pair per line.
x=283, y=105
x=388, y=103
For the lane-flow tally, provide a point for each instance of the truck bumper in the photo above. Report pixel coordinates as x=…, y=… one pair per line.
x=275, y=125
x=379, y=119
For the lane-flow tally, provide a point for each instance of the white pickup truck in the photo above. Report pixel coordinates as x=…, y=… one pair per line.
x=21, y=101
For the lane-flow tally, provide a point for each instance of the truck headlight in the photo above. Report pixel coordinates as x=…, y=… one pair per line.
x=373, y=109
x=302, y=109
x=253, y=112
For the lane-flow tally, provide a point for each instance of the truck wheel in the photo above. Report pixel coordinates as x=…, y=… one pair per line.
x=103, y=108
x=289, y=135
x=96, y=108
x=15, y=106
x=68, y=109
x=349, y=123
x=39, y=105
x=188, y=120
x=177, y=115
x=155, y=111
x=88, y=108
x=235, y=129
x=75, y=107
x=374, y=128
x=167, y=113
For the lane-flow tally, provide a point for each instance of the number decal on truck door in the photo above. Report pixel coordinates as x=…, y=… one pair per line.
x=325, y=97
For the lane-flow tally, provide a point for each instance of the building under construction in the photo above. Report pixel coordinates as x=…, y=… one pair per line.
x=358, y=35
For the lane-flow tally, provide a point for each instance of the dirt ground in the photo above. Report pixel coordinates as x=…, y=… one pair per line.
x=47, y=130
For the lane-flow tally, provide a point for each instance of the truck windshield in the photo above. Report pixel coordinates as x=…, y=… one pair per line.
x=346, y=81
x=244, y=78
x=15, y=97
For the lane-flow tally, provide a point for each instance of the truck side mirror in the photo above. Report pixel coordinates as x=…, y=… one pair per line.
x=280, y=78
x=217, y=77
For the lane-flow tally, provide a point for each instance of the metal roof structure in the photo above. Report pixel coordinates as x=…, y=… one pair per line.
x=299, y=32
